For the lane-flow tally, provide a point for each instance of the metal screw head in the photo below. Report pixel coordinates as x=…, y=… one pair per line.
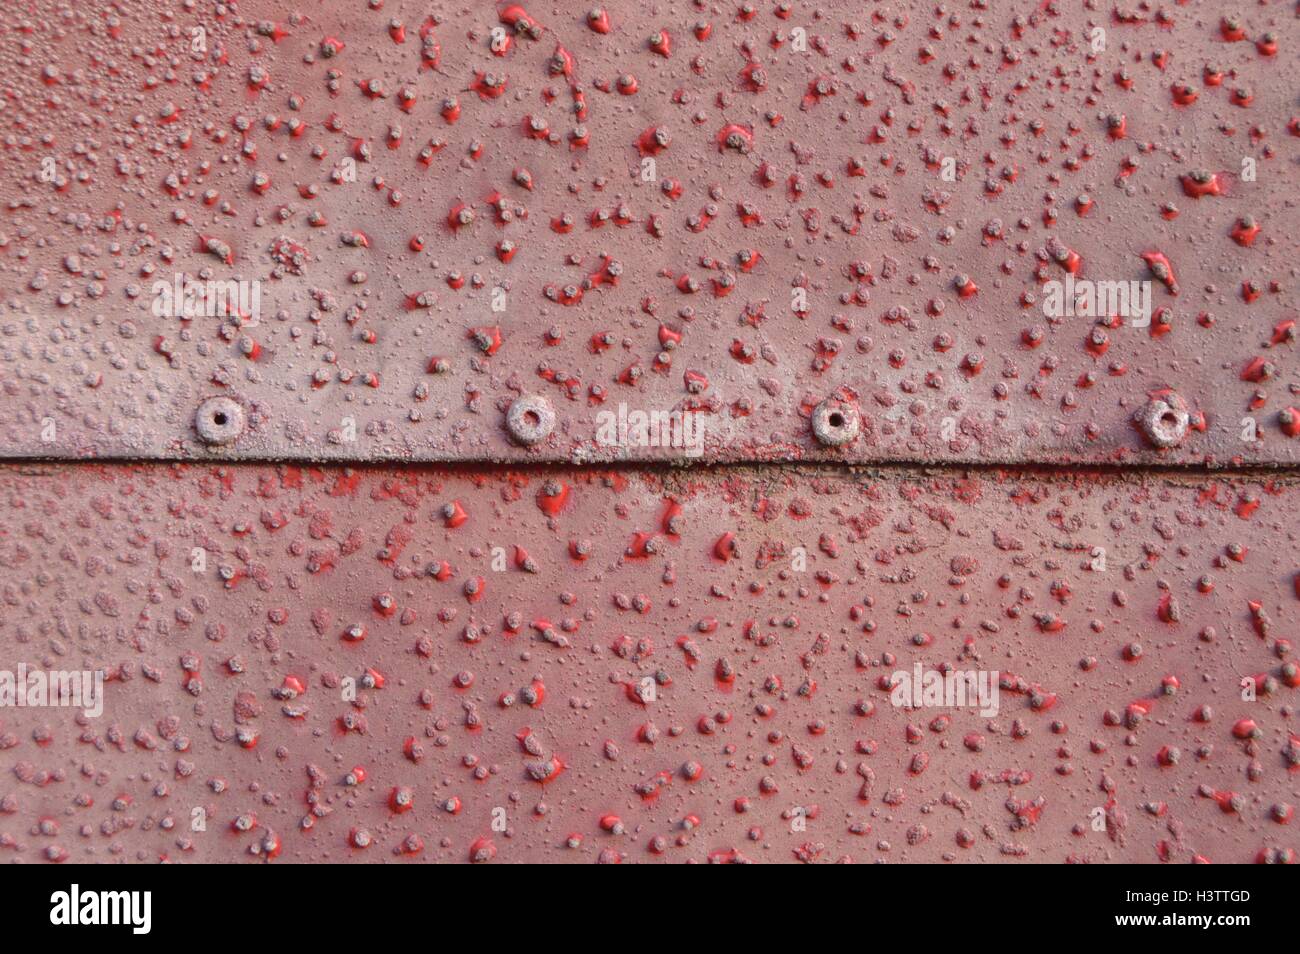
x=1164, y=420
x=835, y=422
x=530, y=419
x=219, y=420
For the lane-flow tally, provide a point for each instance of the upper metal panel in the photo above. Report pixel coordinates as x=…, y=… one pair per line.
x=742, y=213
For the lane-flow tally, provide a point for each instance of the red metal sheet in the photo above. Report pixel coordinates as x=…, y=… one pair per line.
x=760, y=220
x=676, y=666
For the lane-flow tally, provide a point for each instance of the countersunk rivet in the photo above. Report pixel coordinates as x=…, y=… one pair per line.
x=219, y=420
x=530, y=419
x=835, y=422
x=1164, y=420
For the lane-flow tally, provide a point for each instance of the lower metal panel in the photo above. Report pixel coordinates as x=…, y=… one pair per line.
x=763, y=606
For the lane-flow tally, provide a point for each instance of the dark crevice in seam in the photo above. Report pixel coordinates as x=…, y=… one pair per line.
x=683, y=468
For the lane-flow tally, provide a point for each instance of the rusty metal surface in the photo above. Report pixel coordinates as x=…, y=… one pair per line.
x=483, y=241
x=1120, y=613
x=147, y=140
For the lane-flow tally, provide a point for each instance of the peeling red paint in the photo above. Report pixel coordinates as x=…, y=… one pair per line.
x=531, y=255
x=807, y=616
x=855, y=189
